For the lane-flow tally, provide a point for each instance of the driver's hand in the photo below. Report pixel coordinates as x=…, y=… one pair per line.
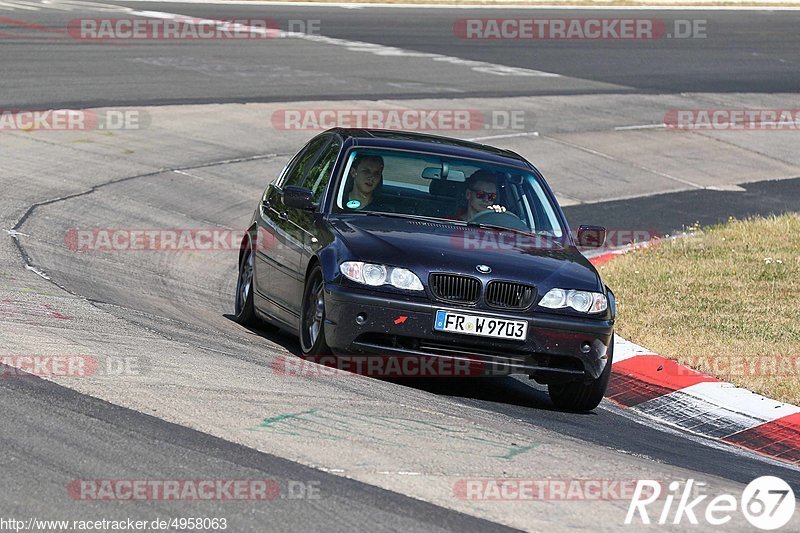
x=497, y=208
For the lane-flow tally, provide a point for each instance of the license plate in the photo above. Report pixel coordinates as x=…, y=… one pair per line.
x=484, y=326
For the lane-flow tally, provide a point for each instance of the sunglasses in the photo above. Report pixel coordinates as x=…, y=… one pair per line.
x=485, y=195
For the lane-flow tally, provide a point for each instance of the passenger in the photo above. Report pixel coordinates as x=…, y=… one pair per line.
x=366, y=176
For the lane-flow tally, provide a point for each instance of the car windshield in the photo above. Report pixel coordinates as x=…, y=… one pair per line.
x=444, y=187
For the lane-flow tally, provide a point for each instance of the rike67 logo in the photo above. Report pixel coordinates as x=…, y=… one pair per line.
x=767, y=502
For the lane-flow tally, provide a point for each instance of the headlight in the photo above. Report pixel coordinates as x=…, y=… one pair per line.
x=582, y=301
x=579, y=301
x=376, y=275
x=405, y=279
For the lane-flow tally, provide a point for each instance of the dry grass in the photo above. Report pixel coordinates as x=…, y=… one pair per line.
x=725, y=301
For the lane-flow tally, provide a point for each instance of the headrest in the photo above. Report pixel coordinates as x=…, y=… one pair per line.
x=451, y=189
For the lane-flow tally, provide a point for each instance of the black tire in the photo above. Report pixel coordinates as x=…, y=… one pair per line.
x=244, y=310
x=582, y=395
x=312, y=317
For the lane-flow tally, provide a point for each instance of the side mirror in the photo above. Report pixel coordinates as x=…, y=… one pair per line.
x=591, y=236
x=298, y=197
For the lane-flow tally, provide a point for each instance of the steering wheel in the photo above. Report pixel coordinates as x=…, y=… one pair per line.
x=509, y=220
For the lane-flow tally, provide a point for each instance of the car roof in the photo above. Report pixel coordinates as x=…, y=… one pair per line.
x=430, y=143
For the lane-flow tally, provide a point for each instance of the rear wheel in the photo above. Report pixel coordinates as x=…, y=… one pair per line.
x=244, y=308
x=582, y=395
x=312, y=320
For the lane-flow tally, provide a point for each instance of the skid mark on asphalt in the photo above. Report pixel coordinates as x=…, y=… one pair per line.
x=121, y=149
x=228, y=68
x=21, y=309
x=8, y=277
x=25, y=290
x=331, y=425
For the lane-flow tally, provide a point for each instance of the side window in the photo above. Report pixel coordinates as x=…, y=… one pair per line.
x=320, y=174
x=303, y=160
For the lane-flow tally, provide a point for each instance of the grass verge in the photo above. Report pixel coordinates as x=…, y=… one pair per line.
x=724, y=300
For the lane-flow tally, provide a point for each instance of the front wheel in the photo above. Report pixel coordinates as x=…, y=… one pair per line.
x=312, y=319
x=244, y=309
x=582, y=395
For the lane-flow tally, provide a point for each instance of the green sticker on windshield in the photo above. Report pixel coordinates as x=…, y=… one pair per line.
x=353, y=204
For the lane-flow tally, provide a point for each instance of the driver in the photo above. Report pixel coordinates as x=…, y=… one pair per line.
x=481, y=195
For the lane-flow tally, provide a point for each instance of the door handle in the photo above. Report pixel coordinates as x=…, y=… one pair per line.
x=283, y=216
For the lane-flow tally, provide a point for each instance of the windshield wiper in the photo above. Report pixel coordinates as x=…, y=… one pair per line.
x=497, y=226
x=393, y=215
x=409, y=216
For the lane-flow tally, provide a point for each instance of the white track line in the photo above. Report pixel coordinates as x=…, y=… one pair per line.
x=626, y=162
x=18, y=5
x=506, y=136
x=740, y=400
x=359, y=46
x=641, y=127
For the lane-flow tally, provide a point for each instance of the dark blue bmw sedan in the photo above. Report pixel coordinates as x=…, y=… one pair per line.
x=408, y=245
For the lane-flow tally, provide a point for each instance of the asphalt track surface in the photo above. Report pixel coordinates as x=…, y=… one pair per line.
x=41, y=458
x=665, y=214
x=52, y=434
x=754, y=51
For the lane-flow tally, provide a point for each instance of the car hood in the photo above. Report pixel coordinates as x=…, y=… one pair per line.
x=434, y=246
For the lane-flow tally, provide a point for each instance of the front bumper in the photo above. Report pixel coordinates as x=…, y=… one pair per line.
x=557, y=348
